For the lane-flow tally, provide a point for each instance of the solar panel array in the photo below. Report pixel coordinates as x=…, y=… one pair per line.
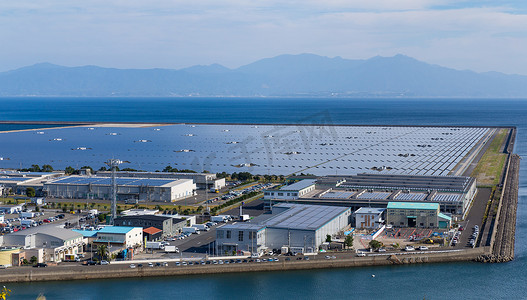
x=108, y=181
x=447, y=198
x=259, y=149
x=374, y=196
x=410, y=197
x=338, y=195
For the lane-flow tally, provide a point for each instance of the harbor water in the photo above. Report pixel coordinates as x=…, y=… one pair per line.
x=424, y=281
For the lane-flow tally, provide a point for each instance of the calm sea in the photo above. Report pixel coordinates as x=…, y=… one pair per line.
x=434, y=281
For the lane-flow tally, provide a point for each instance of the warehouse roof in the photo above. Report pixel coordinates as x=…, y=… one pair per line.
x=87, y=233
x=57, y=232
x=370, y=210
x=297, y=186
x=412, y=205
x=144, y=217
x=304, y=217
x=127, y=181
x=117, y=229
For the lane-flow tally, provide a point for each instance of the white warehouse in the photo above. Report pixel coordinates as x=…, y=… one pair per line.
x=301, y=228
x=92, y=187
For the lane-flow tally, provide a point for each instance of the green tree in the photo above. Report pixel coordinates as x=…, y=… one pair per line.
x=33, y=260
x=375, y=244
x=30, y=192
x=70, y=170
x=102, y=252
x=47, y=168
x=328, y=238
x=348, y=241
x=34, y=168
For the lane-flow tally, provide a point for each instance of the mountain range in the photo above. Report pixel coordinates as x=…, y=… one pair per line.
x=303, y=75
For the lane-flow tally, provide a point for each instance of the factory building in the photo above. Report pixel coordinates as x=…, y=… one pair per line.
x=56, y=242
x=142, y=189
x=17, y=182
x=202, y=180
x=292, y=191
x=369, y=217
x=120, y=236
x=412, y=214
x=453, y=193
x=299, y=228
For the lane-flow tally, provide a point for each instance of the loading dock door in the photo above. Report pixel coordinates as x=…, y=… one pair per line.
x=412, y=221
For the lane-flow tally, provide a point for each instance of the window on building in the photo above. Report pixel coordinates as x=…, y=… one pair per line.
x=421, y=224
x=431, y=224
x=280, y=194
x=402, y=223
x=240, y=236
x=228, y=234
x=220, y=234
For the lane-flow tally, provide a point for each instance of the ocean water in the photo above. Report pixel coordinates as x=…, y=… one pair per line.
x=430, y=281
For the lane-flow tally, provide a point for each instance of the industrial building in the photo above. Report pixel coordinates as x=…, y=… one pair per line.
x=299, y=228
x=453, y=193
x=153, y=234
x=169, y=226
x=369, y=217
x=142, y=189
x=56, y=242
x=202, y=180
x=120, y=236
x=292, y=191
x=412, y=214
x=17, y=182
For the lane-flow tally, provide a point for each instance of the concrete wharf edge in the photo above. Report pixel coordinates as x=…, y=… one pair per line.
x=60, y=273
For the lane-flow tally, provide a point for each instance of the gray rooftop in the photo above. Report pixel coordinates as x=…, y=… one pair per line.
x=51, y=230
x=402, y=182
x=369, y=210
x=304, y=217
x=300, y=185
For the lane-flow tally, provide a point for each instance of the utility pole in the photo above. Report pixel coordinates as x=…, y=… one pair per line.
x=113, y=164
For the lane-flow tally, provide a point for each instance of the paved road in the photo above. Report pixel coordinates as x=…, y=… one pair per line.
x=475, y=216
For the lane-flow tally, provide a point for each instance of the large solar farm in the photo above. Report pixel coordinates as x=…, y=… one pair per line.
x=259, y=149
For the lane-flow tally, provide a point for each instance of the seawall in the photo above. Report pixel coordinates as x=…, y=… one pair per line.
x=77, y=272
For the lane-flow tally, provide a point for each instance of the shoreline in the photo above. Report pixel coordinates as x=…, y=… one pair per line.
x=78, y=272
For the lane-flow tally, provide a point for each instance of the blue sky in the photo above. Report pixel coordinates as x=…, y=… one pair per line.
x=476, y=35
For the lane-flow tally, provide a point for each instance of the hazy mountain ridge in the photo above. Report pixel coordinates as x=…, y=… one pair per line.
x=284, y=75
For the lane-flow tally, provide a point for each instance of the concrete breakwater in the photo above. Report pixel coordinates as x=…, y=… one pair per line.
x=76, y=272
x=505, y=224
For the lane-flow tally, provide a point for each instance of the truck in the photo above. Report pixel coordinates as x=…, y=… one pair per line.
x=201, y=227
x=71, y=257
x=190, y=230
x=27, y=214
x=244, y=217
x=28, y=223
x=93, y=212
x=171, y=249
x=220, y=218
x=214, y=190
x=154, y=245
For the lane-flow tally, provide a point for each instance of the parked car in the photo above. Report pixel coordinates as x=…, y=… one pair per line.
x=104, y=262
x=40, y=265
x=409, y=248
x=423, y=248
x=132, y=266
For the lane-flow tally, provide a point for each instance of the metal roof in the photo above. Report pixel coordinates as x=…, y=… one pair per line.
x=443, y=216
x=304, y=217
x=117, y=229
x=94, y=180
x=413, y=205
x=51, y=230
x=300, y=185
x=369, y=210
x=86, y=233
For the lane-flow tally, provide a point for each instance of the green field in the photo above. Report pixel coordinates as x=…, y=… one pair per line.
x=490, y=167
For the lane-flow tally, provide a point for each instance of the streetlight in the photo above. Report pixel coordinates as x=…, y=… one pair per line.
x=113, y=164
